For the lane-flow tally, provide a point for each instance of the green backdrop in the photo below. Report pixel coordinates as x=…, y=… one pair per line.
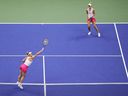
x=61, y=11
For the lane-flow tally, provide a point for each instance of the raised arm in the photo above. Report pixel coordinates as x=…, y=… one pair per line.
x=38, y=53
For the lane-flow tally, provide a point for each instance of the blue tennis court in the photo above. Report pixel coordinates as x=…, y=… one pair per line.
x=73, y=64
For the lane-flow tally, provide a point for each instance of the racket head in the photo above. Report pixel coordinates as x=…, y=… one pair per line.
x=45, y=42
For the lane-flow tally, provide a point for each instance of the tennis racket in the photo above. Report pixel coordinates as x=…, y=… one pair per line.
x=45, y=42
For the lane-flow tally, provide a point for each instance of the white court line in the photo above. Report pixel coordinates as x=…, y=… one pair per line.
x=126, y=70
x=63, y=23
x=64, y=84
x=64, y=56
x=44, y=75
x=28, y=84
x=85, y=23
x=83, y=55
x=82, y=84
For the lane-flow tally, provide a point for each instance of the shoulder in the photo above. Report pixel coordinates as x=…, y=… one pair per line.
x=93, y=9
x=87, y=9
x=30, y=58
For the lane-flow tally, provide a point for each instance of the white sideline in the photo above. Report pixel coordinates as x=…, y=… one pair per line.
x=64, y=55
x=59, y=84
x=62, y=23
x=28, y=84
x=126, y=70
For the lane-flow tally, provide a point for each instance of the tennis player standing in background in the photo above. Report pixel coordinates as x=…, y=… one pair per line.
x=91, y=18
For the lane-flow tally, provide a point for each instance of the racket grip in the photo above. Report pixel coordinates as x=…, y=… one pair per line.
x=42, y=49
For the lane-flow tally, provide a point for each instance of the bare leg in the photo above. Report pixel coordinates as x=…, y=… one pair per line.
x=89, y=29
x=23, y=76
x=19, y=77
x=96, y=28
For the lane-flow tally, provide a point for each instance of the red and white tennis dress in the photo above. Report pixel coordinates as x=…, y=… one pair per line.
x=27, y=63
x=90, y=15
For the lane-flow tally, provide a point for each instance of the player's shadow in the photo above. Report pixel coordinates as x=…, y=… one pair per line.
x=84, y=36
x=80, y=37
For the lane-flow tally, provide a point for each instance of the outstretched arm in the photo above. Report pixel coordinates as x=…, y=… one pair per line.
x=38, y=53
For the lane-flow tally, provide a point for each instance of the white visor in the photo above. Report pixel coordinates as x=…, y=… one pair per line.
x=89, y=4
x=29, y=53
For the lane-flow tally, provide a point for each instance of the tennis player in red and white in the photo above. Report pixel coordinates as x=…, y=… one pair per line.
x=91, y=18
x=27, y=61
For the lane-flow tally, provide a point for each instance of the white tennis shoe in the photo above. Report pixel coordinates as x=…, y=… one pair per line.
x=20, y=85
x=99, y=34
x=89, y=33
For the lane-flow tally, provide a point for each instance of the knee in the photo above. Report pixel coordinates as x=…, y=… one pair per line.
x=23, y=76
x=88, y=26
x=95, y=25
x=19, y=76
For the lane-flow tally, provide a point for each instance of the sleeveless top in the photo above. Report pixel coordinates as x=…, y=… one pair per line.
x=90, y=12
x=27, y=62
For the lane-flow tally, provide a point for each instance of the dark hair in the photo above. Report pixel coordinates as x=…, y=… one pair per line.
x=27, y=53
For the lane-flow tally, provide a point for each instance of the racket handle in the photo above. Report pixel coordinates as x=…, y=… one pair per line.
x=42, y=49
